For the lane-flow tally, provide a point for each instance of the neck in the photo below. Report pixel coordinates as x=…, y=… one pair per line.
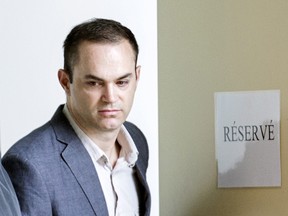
x=113, y=155
x=108, y=143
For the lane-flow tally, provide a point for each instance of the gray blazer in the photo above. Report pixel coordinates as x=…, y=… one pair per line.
x=53, y=174
x=9, y=205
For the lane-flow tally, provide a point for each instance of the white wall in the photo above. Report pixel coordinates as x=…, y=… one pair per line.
x=32, y=33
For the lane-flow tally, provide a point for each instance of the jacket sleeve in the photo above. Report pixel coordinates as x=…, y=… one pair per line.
x=29, y=186
x=8, y=201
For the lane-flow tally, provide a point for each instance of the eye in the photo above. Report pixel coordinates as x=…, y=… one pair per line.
x=122, y=83
x=94, y=83
x=91, y=83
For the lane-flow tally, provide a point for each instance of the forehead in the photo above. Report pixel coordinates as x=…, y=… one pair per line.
x=91, y=48
x=105, y=59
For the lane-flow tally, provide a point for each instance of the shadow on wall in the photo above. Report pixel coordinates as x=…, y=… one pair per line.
x=259, y=168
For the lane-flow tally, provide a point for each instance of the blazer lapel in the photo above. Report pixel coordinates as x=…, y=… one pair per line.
x=145, y=197
x=78, y=160
x=141, y=167
x=83, y=169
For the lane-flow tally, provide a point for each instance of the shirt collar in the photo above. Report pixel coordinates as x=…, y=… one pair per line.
x=128, y=148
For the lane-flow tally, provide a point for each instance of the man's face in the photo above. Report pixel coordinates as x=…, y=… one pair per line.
x=104, y=82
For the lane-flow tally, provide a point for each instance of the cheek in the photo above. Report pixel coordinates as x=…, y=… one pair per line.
x=90, y=100
x=79, y=98
x=129, y=99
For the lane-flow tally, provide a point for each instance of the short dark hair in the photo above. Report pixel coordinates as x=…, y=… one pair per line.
x=98, y=31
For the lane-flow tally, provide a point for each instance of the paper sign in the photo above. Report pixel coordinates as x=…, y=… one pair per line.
x=247, y=138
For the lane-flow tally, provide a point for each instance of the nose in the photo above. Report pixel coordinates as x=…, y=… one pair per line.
x=109, y=94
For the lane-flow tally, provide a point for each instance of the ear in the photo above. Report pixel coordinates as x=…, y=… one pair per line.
x=64, y=80
x=137, y=73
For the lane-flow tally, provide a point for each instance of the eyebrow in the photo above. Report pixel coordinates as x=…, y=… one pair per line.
x=90, y=76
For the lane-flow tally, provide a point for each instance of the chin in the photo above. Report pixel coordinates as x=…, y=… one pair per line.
x=112, y=125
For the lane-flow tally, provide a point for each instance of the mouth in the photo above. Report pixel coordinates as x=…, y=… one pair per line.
x=109, y=112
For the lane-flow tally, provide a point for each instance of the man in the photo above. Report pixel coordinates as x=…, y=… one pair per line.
x=87, y=160
x=9, y=205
